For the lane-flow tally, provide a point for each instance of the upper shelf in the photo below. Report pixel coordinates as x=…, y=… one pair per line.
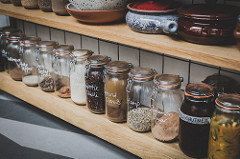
x=221, y=56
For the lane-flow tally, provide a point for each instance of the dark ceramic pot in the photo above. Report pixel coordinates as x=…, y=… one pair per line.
x=237, y=32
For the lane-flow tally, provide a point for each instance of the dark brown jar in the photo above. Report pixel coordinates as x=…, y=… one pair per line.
x=195, y=113
x=237, y=32
x=58, y=7
x=207, y=24
x=45, y=5
x=95, y=77
x=16, y=2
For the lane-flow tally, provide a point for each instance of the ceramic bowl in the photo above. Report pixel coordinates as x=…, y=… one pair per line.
x=99, y=4
x=96, y=16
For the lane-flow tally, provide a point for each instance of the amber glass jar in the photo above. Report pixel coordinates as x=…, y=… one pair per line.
x=195, y=113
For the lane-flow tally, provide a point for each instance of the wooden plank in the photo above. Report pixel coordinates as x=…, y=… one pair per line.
x=140, y=144
x=221, y=56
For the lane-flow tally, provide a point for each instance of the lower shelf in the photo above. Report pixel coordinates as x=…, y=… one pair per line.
x=140, y=144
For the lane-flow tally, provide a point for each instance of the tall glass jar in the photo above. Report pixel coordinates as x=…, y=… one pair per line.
x=29, y=63
x=95, y=77
x=45, y=69
x=195, y=113
x=224, y=137
x=115, y=90
x=166, y=101
x=61, y=66
x=77, y=75
x=14, y=55
x=139, y=93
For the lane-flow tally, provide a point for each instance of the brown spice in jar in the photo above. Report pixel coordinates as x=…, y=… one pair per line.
x=16, y=73
x=64, y=92
x=30, y=4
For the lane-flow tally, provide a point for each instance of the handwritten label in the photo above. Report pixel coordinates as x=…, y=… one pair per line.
x=136, y=104
x=92, y=90
x=17, y=61
x=25, y=67
x=111, y=98
x=43, y=71
x=194, y=120
x=4, y=53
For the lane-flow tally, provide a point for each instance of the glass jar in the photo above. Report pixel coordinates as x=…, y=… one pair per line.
x=30, y=4
x=77, y=75
x=95, y=77
x=224, y=137
x=16, y=2
x=45, y=5
x=195, y=113
x=61, y=66
x=115, y=90
x=58, y=6
x=45, y=69
x=14, y=55
x=29, y=63
x=139, y=95
x=166, y=101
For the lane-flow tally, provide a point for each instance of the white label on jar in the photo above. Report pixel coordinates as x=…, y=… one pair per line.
x=110, y=96
x=94, y=91
x=17, y=61
x=25, y=67
x=4, y=53
x=43, y=71
x=194, y=120
x=136, y=104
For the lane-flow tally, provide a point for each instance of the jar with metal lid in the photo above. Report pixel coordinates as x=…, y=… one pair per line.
x=195, y=113
x=29, y=63
x=115, y=90
x=30, y=4
x=224, y=136
x=139, y=95
x=95, y=77
x=166, y=101
x=45, y=5
x=61, y=67
x=58, y=7
x=77, y=75
x=16, y=2
x=14, y=55
x=45, y=69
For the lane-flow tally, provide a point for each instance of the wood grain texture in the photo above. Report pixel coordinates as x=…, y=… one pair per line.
x=140, y=144
x=221, y=56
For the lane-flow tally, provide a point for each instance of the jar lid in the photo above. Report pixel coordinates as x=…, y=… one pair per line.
x=31, y=40
x=228, y=101
x=46, y=44
x=82, y=53
x=168, y=81
x=16, y=36
x=63, y=49
x=9, y=30
x=97, y=60
x=118, y=66
x=199, y=91
x=209, y=12
x=142, y=73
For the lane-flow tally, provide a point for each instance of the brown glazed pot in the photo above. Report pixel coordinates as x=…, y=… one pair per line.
x=58, y=7
x=207, y=24
x=237, y=32
x=16, y=2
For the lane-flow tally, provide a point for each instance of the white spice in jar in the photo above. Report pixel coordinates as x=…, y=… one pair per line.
x=31, y=80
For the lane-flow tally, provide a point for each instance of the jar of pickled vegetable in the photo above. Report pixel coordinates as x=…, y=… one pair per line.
x=224, y=136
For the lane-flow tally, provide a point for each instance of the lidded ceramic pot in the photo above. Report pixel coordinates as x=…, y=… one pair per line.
x=237, y=32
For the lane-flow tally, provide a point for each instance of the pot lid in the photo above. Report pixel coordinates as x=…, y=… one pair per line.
x=31, y=40
x=229, y=101
x=118, y=66
x=97, y=60
x=199, y=91
x=209, y=12
x=82, y=53
x=168, y=81
x=142, y=73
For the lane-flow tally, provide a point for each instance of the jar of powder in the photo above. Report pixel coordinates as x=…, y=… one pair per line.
x=77, y=75
x=30, y=4
x=115, y=90
x=16, y=2
x=45, y=5
x=58, y=7
x=95, y=77
x=61, y=67
x=29, y=63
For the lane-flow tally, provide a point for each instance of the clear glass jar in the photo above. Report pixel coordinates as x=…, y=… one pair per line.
x=95, y=77
x=29, y=63
x=45, y=69
x=61, y=66
x=77, y=75
x=224, y=136
x=14, y=55
x=45, y=5
x=166, y=101
x=115, y=90
x=195, y=113
x=139, y=91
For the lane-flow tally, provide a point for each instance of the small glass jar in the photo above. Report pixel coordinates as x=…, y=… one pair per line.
x=45, y=69
x=115, y=90
x=29, y=63
x=139, y=91
x=77, y=75
x=195, y=113
x=16, y=2
x=58, y=6
x=166, y=101
x=95, y=77
x=61, y=66
x=30, y=4
x=224, y=136
x=45, y=5
x=14, y=55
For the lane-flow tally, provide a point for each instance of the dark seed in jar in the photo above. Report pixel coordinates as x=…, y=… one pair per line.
x=47, y=84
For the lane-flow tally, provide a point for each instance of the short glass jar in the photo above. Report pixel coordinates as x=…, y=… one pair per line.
x=77, y=75
x=139, y=95
x=61, y=67
x=45, y=5
x=29, y=63
x=14, y=55
x=195, y=113
x=30, y=4
x=115, y=90
x=95, y=77
x=166, y=101
x=58, y=7
x=16, y=2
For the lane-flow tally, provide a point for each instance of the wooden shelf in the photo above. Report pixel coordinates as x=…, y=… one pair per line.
x=140, y=144
x=221, y=56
